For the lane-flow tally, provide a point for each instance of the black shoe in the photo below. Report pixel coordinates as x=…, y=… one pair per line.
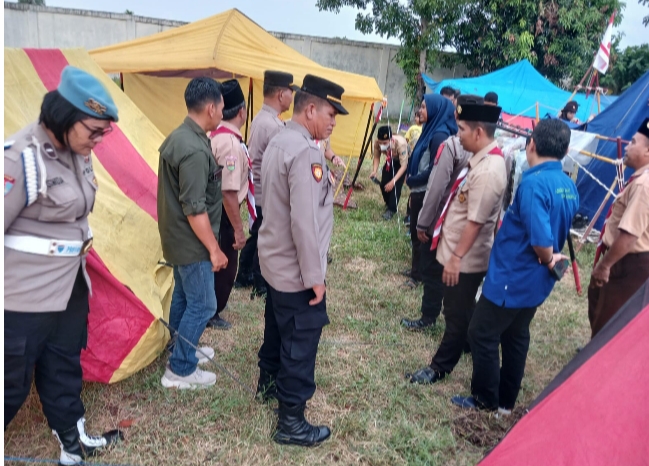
x=426, y=376
x=411, y=283
x=266, y=386
x=293, y=429
x=258, y=293
x=419, y=324
x=330, y=259
x=406, y=272
x=76, y=445
x=388, y=215
x=219, y=323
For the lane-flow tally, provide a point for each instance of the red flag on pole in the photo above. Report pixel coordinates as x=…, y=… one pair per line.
x=603, y=54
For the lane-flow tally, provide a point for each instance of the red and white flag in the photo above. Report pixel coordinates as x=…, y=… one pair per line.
x=603, y=54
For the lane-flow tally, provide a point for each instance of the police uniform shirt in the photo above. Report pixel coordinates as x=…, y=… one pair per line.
x=478, y=200
x=399, y=148
x=446, y=169
x=630, y=212
x=295, y=234
x=41, y=283
x=231, y=155
x=264, y=127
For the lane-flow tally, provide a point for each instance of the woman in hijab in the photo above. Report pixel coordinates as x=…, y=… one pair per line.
x=437, y=114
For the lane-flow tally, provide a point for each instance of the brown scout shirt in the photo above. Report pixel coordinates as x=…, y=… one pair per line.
x=446, y=169
x=399, y=147
x=479, y=201
x=630, y=213
x=34, y=282
x=230, y=154
x=264, y=127
x=294, y=236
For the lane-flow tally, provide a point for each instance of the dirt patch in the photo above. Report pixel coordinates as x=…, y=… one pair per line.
x=484, y=429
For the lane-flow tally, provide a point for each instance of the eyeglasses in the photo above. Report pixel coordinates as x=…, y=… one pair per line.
x=97, y=132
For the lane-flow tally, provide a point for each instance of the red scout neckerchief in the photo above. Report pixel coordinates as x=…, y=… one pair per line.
x=459, y=183
x=250, y=198
x=388, y=154
x=601, y=247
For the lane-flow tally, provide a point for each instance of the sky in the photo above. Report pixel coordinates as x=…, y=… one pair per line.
x=299, y=16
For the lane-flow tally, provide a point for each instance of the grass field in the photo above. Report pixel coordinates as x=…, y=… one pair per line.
x=376, y=416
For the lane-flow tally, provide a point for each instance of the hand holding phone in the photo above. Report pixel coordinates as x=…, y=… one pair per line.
x=560, y=268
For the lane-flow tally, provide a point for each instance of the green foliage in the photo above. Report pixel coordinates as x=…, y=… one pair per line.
x=626, y=68
x=33, y=2
x=645, y=20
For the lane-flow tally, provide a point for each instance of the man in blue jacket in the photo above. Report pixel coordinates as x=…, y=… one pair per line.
x=527, y=248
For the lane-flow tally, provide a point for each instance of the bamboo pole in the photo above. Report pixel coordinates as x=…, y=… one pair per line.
x=591, y=225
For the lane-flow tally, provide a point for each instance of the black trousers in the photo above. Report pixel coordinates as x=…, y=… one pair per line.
x=391, y=198
x=459, y=303
x=416, y=202
x=249, y=257
x=224, y=278
x=431, y=276
x=46, y=347
x=291, y=336
x=493, y=385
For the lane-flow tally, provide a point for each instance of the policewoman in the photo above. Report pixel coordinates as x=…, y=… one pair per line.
x=49, y=190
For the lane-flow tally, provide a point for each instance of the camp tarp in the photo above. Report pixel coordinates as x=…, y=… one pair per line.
x=622, y=119
x=519, y=88
x=594, y=412
x=130, y=290
x=156, y=70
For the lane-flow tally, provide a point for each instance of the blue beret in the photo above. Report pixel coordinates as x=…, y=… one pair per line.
x=86, y=93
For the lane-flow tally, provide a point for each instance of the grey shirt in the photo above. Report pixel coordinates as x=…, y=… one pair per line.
x=298, y=214
x=264, y=127
x=35, y=282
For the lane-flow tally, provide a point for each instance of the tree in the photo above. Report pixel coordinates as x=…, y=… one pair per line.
x=559, y=37
x=420, y=26
x=33, y=2
x=645, y=20
x=626, y=68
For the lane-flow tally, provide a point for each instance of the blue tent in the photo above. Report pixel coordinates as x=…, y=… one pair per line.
x=519, y=88
x=622, y=119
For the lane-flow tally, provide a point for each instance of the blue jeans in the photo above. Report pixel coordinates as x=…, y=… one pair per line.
x=193, y=303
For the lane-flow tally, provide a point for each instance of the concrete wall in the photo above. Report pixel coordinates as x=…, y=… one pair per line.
x=50, y=27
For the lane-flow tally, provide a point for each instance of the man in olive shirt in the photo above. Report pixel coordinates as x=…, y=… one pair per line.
x=293, y=243
x=189, y=215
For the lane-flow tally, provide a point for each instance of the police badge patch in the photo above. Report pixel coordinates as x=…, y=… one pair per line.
x=9, y=183
x=316, y=170
x=231, y=162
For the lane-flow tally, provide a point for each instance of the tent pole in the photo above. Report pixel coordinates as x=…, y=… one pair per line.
x=250, y=110
x=591, y=225
x=351, y=154
x=367, y=127
x=121, y=81
x=537, y=112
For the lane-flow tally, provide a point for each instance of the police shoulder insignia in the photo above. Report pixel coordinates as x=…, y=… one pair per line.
x=95, y=106
x=8, y=144
x=9, y=183
x=461, y=197
x=459, y=109
x=231, y=162
x=316, y=170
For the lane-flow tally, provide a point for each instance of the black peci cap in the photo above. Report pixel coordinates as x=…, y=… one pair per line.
x=491, y=97
x=232, y=94
x=644, y=128
x=478, y=112
x=571, y=107
x=279, y=79
x=384, y=132
x=325, y=89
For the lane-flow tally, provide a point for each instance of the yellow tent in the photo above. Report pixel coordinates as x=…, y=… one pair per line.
x=156, y=70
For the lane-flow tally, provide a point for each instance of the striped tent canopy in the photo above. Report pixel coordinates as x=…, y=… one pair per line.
x=130, y=290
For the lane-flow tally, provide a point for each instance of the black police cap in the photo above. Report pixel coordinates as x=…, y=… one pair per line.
x=644, y=127
x=325, y=89
x=478, y=112
x=279, y=79
x=232, y=94
x=384, y=132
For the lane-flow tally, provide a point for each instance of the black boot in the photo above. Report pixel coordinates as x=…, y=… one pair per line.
x=293, y=429
x=76, y=445
x=266, y=387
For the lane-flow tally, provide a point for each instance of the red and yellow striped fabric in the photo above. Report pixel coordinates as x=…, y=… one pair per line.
x=130, y=290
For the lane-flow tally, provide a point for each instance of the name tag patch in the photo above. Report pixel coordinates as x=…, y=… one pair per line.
x=316, y=171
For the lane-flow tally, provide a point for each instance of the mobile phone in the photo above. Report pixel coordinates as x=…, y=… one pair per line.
x=375, y=179
x=560, y=268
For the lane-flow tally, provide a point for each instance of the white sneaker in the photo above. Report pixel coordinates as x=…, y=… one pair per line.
x=502, y=412
x=205, y=354
x=197, y=379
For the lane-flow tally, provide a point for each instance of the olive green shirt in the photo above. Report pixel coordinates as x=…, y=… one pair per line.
x=189, y=183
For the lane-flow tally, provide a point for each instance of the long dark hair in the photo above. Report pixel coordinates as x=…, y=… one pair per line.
x=59, y=116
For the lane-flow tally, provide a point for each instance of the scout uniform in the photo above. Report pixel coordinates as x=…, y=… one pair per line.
x=630, y=213
x=264, y=127
x=396, y=156
x=476, y=196
x=293, y=243
x=49, y=193
x=231, y=155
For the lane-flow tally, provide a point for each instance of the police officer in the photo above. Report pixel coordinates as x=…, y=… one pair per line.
x=278, y=96
x=236, y=185
x=467, y=231
x=624, y=263
x=50, y=189
x=395, y=148
x=293, y=243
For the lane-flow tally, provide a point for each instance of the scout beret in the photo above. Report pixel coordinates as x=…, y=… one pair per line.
x=325, y=89
x=385, y=132
x=232, y=94
x=644, y=128
x=571, y=107
x=279, y=79
x=86, y=93
x=478, y=112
